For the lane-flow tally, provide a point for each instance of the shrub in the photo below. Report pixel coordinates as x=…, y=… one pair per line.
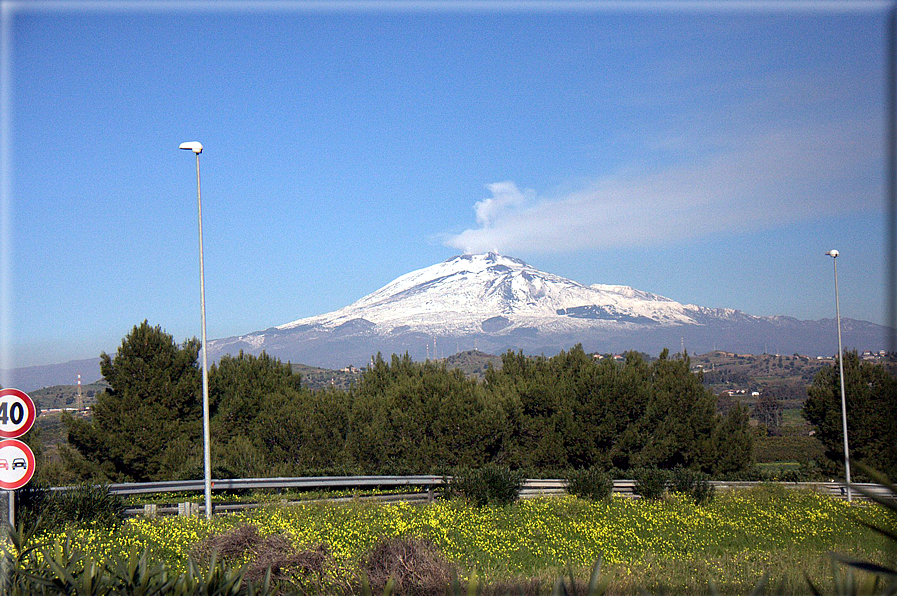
x=650, y=483
x=590, y=483
x=692, y=483
x=39, y=507
x=31, y=505
x=703, y=491
x=489, y=485
x=88, y=503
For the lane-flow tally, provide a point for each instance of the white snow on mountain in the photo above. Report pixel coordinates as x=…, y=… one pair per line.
x=490, y=292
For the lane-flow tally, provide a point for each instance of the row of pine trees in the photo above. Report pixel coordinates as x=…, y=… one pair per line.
x=536, y=414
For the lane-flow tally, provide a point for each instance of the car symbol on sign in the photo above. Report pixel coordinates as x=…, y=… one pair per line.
x=4, y=465
x=19, y=462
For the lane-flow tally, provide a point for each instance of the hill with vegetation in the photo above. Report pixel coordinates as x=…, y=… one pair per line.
x=66, y=396
x=314, y=377
x=473, y=363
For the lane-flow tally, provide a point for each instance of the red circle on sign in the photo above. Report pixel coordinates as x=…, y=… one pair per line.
x=28, y=456
x=30, y=414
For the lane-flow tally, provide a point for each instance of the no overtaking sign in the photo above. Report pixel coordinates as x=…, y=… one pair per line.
x=16, y=464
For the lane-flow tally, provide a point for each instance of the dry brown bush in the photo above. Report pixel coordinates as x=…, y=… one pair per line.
x=230, y=546
x=416, y=566
x=275, y=552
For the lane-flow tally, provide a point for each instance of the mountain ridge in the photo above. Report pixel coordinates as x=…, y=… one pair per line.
x=495, y=303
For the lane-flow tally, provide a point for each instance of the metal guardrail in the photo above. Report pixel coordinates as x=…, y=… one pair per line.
x=425, y=485
x=530, y=487
x=304, y=482
x=199, y=508
x=627, y=488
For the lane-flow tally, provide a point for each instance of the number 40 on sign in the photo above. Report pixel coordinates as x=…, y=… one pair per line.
x=16, y=413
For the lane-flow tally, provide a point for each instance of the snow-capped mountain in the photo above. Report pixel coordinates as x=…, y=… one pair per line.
x=496, y=303
x=465, y=293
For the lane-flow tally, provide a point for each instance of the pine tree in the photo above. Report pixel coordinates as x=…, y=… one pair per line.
x=733, y=443
x=252, y=399
x=409, y=417
x=871, y=396
x=153, y=403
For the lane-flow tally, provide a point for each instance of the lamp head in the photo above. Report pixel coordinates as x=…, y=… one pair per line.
x=833, y=253
x=194, y=146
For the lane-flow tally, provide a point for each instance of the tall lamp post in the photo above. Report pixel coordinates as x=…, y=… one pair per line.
x=834, y=255
x=196, y=148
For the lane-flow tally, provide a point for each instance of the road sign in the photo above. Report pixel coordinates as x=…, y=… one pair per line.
x=17, y=413
x=16, y=464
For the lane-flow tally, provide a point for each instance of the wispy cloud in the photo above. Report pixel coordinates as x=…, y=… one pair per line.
x=771, y=178
x=505, y=197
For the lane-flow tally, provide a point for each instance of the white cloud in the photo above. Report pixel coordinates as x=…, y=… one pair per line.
x=505, y=197
x=769, y=179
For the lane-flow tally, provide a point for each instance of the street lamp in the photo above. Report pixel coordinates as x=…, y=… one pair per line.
x=196, y=147
x=834, y=255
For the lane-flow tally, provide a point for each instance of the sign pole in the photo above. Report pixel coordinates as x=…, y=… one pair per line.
x=12, y=510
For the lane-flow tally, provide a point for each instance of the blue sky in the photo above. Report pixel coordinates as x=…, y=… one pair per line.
x=705, y=152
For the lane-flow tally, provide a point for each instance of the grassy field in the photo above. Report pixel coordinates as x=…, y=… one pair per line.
x=673, y=545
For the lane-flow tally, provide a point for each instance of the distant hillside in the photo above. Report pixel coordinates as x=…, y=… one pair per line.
x=473, y=362
x=66, y=396
x=785, y=376
x=318, y=378
x=32, y=378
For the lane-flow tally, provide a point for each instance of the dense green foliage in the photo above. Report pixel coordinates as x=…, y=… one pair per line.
x=264, y=423
x=651, y=483
x=590, y=483
x=490, y=484
x=692, y=483
x=411, y=417
x=871, y=397
x=569, y=411
x=655, y=483
x=152, y=399
x=37, y=507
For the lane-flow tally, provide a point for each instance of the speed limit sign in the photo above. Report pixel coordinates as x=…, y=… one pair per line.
x=16, y=413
